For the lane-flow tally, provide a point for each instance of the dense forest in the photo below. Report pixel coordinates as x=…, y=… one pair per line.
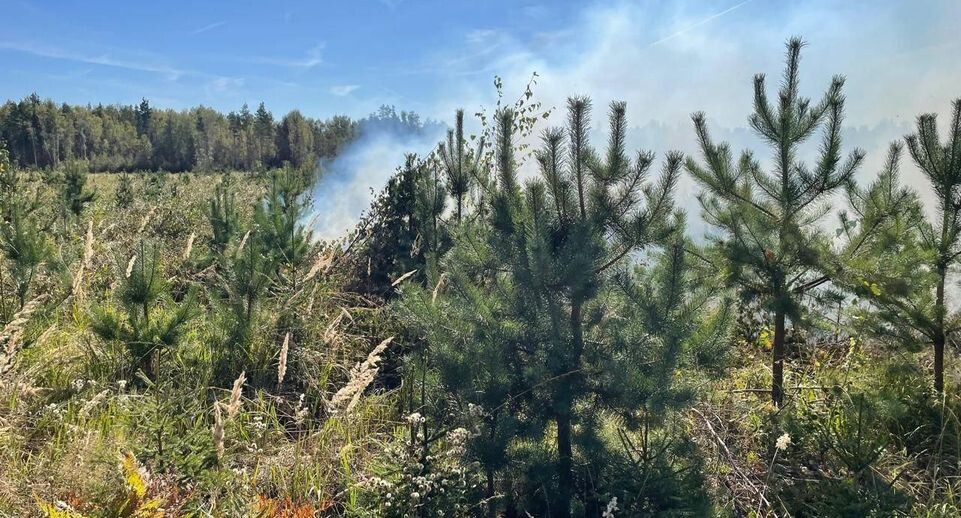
x=484, y=342
x=42, y=134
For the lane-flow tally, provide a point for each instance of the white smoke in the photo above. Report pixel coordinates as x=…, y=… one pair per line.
x=348, y=183
x=668, y=60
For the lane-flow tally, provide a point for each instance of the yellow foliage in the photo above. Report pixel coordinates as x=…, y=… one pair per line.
x=49, y=510
x=131, y=474
x=130, y=503
x=873, y=286
x=765, y=339
x=134, y=504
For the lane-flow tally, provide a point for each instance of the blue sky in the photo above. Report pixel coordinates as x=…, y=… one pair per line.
x=665, y=58
x=322, y=57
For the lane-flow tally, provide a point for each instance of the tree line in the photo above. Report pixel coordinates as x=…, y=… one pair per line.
x=42, y=134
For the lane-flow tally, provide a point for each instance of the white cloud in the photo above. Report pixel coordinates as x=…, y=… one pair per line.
x=223, y=84
x=312, y=58
x=342, y=90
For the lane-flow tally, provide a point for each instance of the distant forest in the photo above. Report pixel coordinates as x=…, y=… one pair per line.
x=44, y=134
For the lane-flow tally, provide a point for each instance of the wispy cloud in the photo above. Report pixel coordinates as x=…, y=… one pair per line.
x=213, y=85
x=342, y=90
x=698, y=23
x=223, y=84
x=311, y=59
x=44, y=51
x=209, y=27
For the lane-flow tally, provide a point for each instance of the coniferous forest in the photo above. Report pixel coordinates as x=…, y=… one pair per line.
x=523, y=322
x=40, y=134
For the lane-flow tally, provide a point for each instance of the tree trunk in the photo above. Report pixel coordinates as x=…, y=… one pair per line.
x=939, y=365
x=491, y=504
x=565, y=476
x=33, y=142
x=940, y=338
x=565, y=464
x=777, y=365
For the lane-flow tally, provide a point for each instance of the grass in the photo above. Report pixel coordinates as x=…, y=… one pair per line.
x=69, y=422
x=82, y=434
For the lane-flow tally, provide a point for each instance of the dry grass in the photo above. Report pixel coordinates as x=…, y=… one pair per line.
x=361, y=377
x=65, y=411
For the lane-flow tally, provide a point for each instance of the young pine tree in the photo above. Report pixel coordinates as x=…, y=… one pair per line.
x=147, y=321
x=430, y=202
x=124, y=196
x=907, y=276
x=222, y=216
x=244, y=275
x=24, y=245
x=941, y=163
x=279, y=220
x=460, y=164
x=668, y=318
x=73, y=188
x=387, y=235
x=770, y=236
x=536, y=277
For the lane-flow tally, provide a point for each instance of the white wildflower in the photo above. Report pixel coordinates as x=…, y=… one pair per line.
x=783, y=442
x=94, y=401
